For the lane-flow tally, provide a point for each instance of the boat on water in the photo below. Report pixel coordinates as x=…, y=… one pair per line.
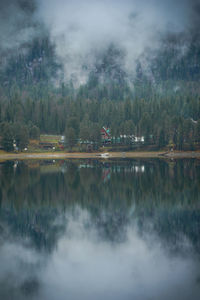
x=105, y=155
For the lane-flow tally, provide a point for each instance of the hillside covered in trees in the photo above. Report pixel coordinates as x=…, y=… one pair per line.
x=158, y=99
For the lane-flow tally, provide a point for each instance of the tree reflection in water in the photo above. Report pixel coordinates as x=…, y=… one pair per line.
x=93, y=229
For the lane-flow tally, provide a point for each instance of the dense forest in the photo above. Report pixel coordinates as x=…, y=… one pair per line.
x=161, y=121
x=161, y=101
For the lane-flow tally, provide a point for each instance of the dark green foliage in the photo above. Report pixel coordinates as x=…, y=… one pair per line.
x=34, y=132
x=74, y=123
x=160, y=121
x=197, y=131
x=162, y=139
x=21, y=136
x=14, y=136
x=7, y=137
x=70, y=137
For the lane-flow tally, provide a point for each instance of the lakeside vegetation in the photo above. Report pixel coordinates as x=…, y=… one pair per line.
x=173, y=122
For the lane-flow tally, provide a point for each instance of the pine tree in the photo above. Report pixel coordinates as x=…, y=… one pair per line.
x=70, y=137
x=7, y=138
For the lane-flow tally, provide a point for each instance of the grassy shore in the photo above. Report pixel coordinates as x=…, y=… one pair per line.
x=78, y=155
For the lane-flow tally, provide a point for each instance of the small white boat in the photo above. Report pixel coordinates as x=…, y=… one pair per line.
x=105, y=155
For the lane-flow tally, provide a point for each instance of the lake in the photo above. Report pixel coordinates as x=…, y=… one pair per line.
x=89, y=229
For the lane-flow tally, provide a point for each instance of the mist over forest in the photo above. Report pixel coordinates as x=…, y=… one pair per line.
x=111, y=41
x=144, y=55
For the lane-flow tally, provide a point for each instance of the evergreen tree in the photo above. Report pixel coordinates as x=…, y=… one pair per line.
x=162, y=140
x=7, y=137
x=70, y=137
x=21, y=136
x=34, y=132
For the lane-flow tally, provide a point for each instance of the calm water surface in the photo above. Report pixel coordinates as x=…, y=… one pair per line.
x=126, y=229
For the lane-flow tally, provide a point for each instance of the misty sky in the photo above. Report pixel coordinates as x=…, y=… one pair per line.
x=82, y=30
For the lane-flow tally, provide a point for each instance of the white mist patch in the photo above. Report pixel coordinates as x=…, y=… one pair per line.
x=83, y=30
x=19, y=266
x=16, y=26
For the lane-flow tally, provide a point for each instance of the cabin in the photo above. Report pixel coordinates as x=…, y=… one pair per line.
x=105, y=135
x=123, y=139
x=62, y=140
x=47, y=145
x=138, y=139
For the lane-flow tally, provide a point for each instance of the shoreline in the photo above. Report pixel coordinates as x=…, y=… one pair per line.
x=97, y=155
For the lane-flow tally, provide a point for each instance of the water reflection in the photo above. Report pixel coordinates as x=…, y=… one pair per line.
x=94, y=230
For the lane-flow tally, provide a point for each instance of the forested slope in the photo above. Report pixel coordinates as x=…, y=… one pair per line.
x=159, y=100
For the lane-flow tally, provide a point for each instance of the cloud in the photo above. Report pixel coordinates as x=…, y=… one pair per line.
x=16, y=24
x=83, y=30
